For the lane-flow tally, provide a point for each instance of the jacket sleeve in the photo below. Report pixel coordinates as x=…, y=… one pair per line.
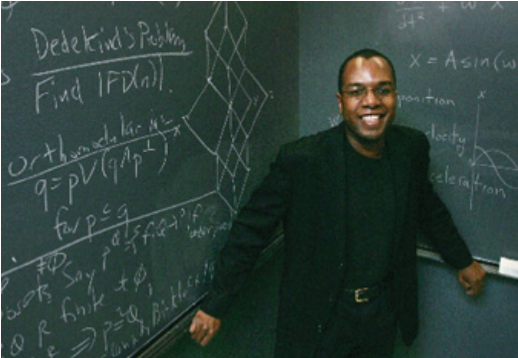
x=251, y=232
x=436, y=220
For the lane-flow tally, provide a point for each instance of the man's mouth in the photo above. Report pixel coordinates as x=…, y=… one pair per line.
x=371, y=119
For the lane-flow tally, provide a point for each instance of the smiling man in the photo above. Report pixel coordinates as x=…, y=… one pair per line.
x=367, y=102
x=351, y=200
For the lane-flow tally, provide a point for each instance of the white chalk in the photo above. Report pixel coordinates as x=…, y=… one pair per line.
x=508, y=267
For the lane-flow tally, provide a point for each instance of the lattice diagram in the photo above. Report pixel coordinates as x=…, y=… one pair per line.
x=235, y=98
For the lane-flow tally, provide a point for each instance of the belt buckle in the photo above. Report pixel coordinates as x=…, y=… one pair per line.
x=357, y=297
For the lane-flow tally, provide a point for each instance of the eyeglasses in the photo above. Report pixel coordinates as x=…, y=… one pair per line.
x=359, y=92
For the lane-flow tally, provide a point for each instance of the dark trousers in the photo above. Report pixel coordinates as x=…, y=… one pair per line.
x=361, y=330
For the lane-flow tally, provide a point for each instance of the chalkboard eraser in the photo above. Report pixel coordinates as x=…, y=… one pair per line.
x=508, y=267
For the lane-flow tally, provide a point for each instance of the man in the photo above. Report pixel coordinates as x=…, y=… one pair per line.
x=351, y=200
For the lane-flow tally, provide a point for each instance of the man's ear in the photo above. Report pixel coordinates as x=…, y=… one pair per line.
x=339, y=98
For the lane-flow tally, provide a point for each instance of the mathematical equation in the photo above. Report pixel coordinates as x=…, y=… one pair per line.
x=501, y=62
x=413, y=13
x=68, y=292
x=118, y=202
x=111, y=155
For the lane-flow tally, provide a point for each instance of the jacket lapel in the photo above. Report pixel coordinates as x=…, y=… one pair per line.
x=333, y=185
x=400, y=162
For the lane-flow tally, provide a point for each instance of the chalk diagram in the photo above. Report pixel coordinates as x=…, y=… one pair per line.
x=240, y=98
x=235, y=99
x=501, y=163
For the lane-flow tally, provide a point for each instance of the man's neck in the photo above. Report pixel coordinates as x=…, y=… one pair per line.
x=372, y=150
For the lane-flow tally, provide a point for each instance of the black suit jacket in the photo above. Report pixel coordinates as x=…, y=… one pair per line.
x=306, y=190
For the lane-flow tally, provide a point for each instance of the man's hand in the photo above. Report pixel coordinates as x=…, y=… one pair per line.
x=472, y=278
x=204, y=328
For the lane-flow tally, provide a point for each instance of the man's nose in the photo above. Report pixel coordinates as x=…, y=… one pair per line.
x=371, y=98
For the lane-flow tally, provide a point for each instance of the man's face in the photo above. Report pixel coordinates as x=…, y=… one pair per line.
x=368, y=100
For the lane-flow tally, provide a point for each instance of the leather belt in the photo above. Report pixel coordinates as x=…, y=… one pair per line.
x=363, y=294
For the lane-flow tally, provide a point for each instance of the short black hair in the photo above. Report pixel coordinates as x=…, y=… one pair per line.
x=364, y=53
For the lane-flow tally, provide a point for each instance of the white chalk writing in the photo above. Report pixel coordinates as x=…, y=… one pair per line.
x=411, y=14
x=498, y=62
x=126, y=211
x=8, y=7
x=5, y=79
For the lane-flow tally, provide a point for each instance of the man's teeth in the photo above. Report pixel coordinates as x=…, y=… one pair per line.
x=370, y=118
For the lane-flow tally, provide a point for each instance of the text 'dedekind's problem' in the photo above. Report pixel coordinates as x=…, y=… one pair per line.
x=128, y=154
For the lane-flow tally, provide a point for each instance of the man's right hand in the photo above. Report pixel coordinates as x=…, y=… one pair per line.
x=204, y=328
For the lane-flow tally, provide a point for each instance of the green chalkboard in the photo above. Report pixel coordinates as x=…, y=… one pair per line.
x=131, y=134
x=456, y=65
